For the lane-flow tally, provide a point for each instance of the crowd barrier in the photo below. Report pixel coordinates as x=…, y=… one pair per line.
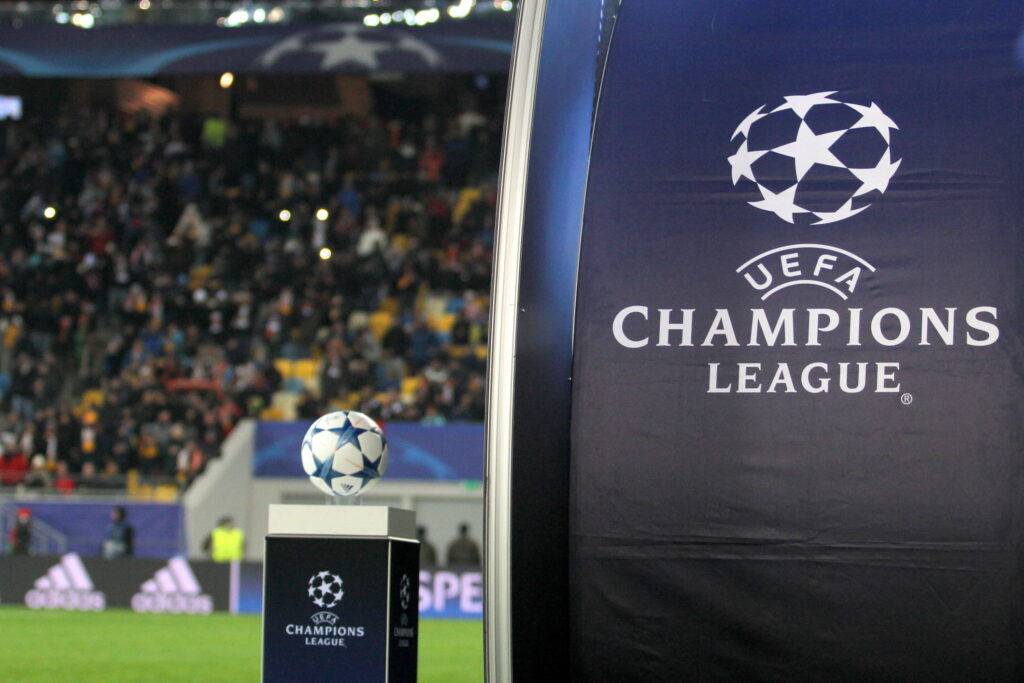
x=182, y=586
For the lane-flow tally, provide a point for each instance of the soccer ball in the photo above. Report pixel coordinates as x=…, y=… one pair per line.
x=325, y=589
x=814, y=155
x=344, y=453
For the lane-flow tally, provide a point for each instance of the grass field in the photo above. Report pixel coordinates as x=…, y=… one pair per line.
x=119, y=645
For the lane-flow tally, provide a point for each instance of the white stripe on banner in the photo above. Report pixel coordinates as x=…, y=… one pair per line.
x=76, y=571
x=165, y=581
x=59, y=578
x=149, y=586
x=187, y=582
x=233, y=580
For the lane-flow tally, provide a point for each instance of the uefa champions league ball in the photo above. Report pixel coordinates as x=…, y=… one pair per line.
x=344, y=453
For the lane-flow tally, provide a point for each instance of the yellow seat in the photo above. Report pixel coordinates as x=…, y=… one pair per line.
x=410, y=385
x=442, y=323
x=305, y=368
x=457, y=351
x=272, y=413
x=380, y=322
x=390, y=305
x=481, y=351
x=93, y=397
x=165, y=493
x=284, y=366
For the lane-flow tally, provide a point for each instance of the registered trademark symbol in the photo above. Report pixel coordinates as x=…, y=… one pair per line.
x=907, y=399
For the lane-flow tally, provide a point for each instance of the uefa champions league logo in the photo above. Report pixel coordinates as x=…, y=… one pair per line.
x=325, y=589
x=405, y=592
x=805, y=154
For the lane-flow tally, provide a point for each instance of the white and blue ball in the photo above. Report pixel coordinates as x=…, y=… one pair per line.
x=344, y=453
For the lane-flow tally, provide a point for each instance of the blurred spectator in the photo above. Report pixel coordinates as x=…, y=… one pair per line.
x=226, y=543
x=38, y=477
x=120, y=540
x=463, y=551
x=21, y=534
x=428, y=554
x=151, y=280
x=89, y=480
x=63, y=481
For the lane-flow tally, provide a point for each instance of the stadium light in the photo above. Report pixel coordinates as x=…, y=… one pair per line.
x=427, y=16
x=322, y=214
x=325, y=254
x=49, y=213
x=385, y=19
x=275, y=15
x=227, y=79
x=144, y=4
x=371, y=20
x=461, y=10
x=285, y=215
x=83, y=20
x=259, y=15
x=237, y=18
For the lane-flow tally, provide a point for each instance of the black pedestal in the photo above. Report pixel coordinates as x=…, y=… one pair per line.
x=340, y=607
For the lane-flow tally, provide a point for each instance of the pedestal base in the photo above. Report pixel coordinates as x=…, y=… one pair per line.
x=340, y=603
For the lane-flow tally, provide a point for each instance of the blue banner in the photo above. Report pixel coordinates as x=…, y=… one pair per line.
x=797, y=388
x=81, y=527
x=452, y=452
x=120, y=51
x=443, y=594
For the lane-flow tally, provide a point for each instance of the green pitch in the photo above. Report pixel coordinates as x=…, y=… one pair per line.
x=118, y=645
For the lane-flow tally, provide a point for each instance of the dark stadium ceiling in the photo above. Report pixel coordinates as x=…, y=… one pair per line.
x=231, y=13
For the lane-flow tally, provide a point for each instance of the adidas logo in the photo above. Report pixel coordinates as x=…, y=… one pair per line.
x=66, y=585
x=173, y=589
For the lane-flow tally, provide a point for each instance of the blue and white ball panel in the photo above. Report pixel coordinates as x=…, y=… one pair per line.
x=344, y=453
x=362, y=421
x=322, y=485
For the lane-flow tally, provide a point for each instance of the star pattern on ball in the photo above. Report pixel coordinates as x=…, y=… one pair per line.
x=833, y=192
x=327, y=471
x=370, y=470
x=347, y=433
x=344, y=453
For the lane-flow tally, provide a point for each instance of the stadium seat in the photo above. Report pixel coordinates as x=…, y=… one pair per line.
x=305, y=369
x=284, y=366
x=442, y=323
x=272, y=413
x=380, y=322
x=409, y=386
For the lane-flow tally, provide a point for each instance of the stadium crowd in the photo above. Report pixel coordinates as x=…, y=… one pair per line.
x=160, y=277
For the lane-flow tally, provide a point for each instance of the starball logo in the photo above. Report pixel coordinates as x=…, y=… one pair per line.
x=325, y=590
x=814, y=160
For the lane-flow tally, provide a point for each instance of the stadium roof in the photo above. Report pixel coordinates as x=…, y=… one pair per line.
x=233, y=13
